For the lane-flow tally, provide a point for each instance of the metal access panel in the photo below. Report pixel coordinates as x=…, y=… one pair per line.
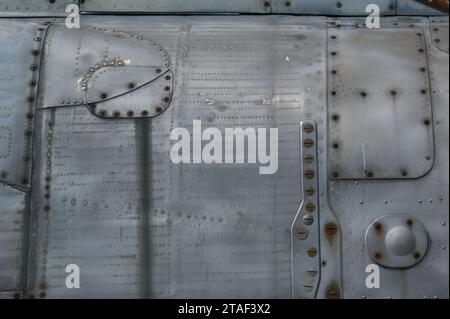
x=174, y=6
x=380, y=105
x=34, y=7
x=332, y=7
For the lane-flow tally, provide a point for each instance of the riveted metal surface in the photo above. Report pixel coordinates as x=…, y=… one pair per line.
x=20, y=47
x=305, y=248
x=142, y=226
x=80, y=63
x=361, y=202
x=397, y=241
x=439, y=34
x=379, y=129
x=106, y=196
x=174, y=6
x=148, y=101
x=32, y=8
x=13, y=245
x=332, y=7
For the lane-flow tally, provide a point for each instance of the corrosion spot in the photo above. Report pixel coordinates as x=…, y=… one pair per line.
x=332, y=291
x=331, y=229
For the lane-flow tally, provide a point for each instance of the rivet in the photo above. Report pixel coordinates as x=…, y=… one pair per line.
x=301, y=233
x=131, y=85
x=310, y=207
x=309, y=143
x=144, y=113
x=167, y=88
x=417, y=255
x=29, y=115
x=332, y=293
x=30, y=99
x=166, y=99
x=130, y=113
x=35, y=52
x=335, y=174
x=339, y=4
x=335, y=117
x=158, y=109
x=3, y=174
x=309, y=174
x=24, y=180
x=168, y=77
x=116, y=113
x=312, y=252
x=370, y=174
x=103, y=96
x=409, y=222
x=309, y=159
x=377, y=256
x=335, y=145
x=378, y=227
x=363, y=93
x=308, y=128
x=34, y=67
x=309, y=191
x=331, y=229
x=32, y=83
x=103, y=113
x=308, y=219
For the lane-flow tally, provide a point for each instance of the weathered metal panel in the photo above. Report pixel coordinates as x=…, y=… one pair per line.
x=13, y=238
x=140, y=225
x=332, y=7
x=359, y=203
x=34, y=7
x=379, y=128
x=20, y=46
x=106, y=196
x=174, y=6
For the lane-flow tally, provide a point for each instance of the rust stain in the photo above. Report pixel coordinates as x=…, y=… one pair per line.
x=333, y=291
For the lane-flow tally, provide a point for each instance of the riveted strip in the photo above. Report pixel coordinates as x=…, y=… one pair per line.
x=305, y=232
x=23, y=182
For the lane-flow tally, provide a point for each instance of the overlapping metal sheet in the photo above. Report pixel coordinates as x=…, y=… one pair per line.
x=105, y=195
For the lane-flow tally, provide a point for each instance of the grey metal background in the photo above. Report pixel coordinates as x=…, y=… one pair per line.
x=106, y=197
x=322, y=7
x=16, y=109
